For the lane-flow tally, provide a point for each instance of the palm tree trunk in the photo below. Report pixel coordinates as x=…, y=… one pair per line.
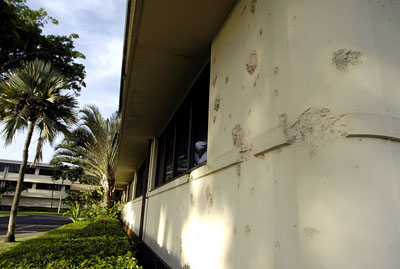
x=10, y=236
x=106, y=194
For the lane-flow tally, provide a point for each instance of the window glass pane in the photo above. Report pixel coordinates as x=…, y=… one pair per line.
x=43, y=186
x=139, y=182
x=160, y=160
x=169, y=155
x=30, y=171
x=2, y=167
x=11, y=183
x=200, y=119
x=46, y=172
x=57, y=187
x=182, y=139
x=27, y=185
x=13, y=169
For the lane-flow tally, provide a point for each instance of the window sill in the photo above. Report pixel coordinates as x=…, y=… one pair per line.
x=170, y=185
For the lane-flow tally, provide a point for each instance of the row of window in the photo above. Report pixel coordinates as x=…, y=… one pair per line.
x=39, y=186
x=28, y=170
x=183, y=144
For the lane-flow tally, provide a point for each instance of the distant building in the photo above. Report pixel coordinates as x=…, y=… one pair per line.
x=41, y=190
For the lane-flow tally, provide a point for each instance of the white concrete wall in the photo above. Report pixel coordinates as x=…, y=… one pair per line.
x=303, y=158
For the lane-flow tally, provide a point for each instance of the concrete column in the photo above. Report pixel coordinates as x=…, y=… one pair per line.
x=312, y=89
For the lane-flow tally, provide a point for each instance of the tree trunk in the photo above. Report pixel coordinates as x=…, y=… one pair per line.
x=61, y=193
x=10, y=236
x=106, y=194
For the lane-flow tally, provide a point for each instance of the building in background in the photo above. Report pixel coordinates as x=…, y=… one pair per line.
x=41, y=191
x=261, y=133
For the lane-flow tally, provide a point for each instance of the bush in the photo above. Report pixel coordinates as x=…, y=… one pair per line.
x=83, y=244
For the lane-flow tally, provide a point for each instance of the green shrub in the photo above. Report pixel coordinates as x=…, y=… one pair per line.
x=74, y=211
x=83, y=244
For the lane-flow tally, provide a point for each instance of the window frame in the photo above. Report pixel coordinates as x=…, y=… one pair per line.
x=160, y=178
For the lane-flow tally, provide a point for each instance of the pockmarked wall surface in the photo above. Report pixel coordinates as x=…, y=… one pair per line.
x=303, y=144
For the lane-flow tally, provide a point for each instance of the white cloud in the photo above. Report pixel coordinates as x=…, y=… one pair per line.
x=100, y=26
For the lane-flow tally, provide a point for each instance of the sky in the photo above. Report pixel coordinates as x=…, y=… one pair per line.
x=100, y=26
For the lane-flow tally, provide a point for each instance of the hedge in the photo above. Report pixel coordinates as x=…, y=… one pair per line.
x=83, y=244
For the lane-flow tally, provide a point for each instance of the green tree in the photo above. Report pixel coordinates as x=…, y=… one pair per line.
x=22, y=40
x=33, y=96
x=93, y=147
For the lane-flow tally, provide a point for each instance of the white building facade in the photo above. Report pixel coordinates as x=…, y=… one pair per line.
x=297, y=163
x=41, y=191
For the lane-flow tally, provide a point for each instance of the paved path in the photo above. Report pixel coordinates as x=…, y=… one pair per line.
x=33, y=224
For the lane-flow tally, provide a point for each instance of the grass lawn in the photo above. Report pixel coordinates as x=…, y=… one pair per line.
x=7, y=213
x=84, y=244
x=24, y=213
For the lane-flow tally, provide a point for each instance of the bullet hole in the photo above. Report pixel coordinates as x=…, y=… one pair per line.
x=253, y=4
x=247, y=229
x=261, y=31
x=209, y=197
x=217, y=102
x=255, y=83
x=237, y=136
x=214, y=81
x=214, y=59
x=238, y=169
x=344, y=58
x=227, y=79
x=277, y=245
x=230, y=116
x=252, y=62
x=249, y=112
x=214, y=119
x=276, y=70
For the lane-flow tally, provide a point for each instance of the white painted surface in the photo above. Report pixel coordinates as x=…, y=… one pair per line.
x=327, y=200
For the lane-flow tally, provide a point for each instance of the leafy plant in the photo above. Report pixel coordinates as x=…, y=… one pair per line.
x=74, y=211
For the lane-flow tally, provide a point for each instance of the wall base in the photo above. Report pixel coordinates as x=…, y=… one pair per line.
x=145, y=255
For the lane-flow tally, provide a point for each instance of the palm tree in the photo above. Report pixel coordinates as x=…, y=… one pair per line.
x=93, y=147
x=32, y=96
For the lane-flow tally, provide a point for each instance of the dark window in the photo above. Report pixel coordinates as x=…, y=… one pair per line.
x=30, y=171
x=27, y=185
x=50, y=187
x=13, y=169
x=183, y=144
x=142, y=174
x=67, y=188
x=2, y=167
x=46, y=172
x=11, y=183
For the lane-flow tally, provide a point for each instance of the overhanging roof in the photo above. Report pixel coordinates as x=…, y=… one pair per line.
x=167, y=43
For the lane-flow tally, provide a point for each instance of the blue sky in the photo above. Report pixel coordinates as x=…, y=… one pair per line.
x=100, y=26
